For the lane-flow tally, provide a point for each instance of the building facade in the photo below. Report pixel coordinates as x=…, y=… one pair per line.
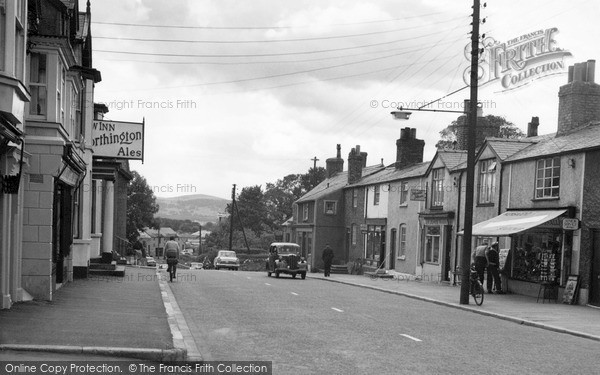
x=14, y=96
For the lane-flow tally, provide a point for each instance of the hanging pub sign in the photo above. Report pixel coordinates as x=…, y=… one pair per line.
x=570, y=224
x=118, y=139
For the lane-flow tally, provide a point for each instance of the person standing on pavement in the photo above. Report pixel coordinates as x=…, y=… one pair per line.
x=478, y=258
x=493, y=260
x=172, y=257
x=327, y=259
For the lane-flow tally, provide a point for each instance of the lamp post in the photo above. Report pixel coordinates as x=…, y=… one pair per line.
x=471, y=111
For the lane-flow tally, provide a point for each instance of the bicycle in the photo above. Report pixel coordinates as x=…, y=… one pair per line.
x=475, y=286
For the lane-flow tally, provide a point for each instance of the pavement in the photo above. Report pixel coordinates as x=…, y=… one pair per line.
x=137, y=317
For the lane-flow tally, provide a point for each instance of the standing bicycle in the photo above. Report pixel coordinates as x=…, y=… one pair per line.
x=475, y=286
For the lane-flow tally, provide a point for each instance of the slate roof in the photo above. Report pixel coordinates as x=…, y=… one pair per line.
x=390, y=174
x=337, y=182
x=505, y=148
x=453, y=159
x=164, y=232
x=587, y=137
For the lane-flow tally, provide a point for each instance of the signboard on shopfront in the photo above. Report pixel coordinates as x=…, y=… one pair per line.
x=418, y=194
x=117, y=139
x=570, y=224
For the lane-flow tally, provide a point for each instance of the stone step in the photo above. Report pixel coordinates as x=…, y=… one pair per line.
x=103, y=266
x=118, y=271
x=339, y=269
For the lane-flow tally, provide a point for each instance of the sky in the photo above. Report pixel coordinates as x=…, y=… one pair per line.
x=247, y=92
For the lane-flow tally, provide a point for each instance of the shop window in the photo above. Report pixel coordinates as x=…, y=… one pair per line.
x=38, y=85
x=330, y=207
x=404, y=193
x=354, y=198
x=487, y=181
x=432, y=244
x=402, y=242
x=376, y=194
x=537, y=256
x=437, y=187
x=547, y=179
x=373, y=242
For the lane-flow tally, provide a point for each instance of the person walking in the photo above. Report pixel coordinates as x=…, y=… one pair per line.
x=172, y=257
x=493, y=261
x=327, y=259
x=478, y=258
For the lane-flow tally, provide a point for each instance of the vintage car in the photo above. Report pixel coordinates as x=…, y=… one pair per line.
x=150, y=262
x=227, y=259
x=284, y=257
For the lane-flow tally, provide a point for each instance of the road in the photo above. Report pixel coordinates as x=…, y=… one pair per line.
x=312, y=326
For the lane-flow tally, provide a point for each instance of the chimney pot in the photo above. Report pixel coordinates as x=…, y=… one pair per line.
x=591, y=70
x=532, y=127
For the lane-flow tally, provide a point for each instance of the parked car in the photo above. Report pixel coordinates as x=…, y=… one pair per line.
x=285, y=257
x=227, y=259
x=195, y=266
x=150, y=262
x=187, y=252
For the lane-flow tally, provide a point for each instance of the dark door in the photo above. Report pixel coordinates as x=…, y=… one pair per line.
x=595, y=282
x=62, y=232
x=393, y=238
x=447, y=253
x=382, y=249
x=347, y=244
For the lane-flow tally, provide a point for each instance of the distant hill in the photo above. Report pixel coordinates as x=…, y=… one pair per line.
x=200, y=207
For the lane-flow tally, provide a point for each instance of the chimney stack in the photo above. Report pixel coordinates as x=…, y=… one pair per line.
x=409, y=149
x=484, y=129
x=532, y=127
x=356, y=161
x=335, y=165
x=579, y=99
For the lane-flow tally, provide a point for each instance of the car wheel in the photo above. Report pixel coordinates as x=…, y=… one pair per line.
x=269, y=274
x=303, y=276
x=293, y=276
x=276, y=274
x=217, y=268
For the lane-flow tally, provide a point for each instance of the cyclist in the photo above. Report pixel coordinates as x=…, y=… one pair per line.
x=172, y=257
x=479, y=259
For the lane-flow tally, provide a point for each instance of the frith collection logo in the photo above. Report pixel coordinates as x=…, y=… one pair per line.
x=519, y=61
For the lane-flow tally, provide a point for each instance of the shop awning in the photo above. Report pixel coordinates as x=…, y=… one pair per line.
x=512, y=222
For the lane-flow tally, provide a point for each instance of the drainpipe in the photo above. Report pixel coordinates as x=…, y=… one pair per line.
x=457, y=227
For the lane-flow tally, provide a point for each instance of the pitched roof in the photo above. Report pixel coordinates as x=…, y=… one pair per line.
x=164, y=232
x=505, y=148
x=336, y=182
x=390, y=174
x=586, y=137
x=453, y=159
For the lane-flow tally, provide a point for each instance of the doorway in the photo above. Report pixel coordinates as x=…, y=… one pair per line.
x=595, y=282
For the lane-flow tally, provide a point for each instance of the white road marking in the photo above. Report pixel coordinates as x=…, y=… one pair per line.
x=410, y=337
x=294, y=293
x=336, y=309
x=247, y=277
x=267, y=284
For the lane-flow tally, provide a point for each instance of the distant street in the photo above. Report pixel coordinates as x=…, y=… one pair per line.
x=313, y=326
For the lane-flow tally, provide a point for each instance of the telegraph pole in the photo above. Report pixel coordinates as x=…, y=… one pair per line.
x=231, y=218
x=314, y=174
x=465, y=263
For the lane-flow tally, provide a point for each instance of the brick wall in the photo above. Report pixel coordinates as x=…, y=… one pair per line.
x=409, y=149
x=590, y=215
x=579, y=103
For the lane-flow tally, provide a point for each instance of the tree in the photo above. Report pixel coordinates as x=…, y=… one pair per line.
x=252, y=210
x=506, y=130
x=141, y=206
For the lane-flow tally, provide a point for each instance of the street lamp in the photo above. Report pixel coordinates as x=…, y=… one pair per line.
x=471, y=111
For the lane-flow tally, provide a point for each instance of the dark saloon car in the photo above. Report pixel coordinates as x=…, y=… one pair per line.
x=284, y=257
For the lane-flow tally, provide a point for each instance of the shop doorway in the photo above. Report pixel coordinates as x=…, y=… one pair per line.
x=393, y=238
x=595, y=282
x=61, y=232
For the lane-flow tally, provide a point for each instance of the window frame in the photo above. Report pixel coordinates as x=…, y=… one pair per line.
x=487, y=181
x=305, y=212
x=437, y=187
x=404, y=193
x=401, y=242
x=544, y=166
x=334, y=209
x=432, y=254
x=376, y=194
x=37, y=84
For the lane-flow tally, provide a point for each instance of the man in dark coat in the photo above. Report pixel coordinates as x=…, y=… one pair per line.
x=327, y=259
x=493, y=260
